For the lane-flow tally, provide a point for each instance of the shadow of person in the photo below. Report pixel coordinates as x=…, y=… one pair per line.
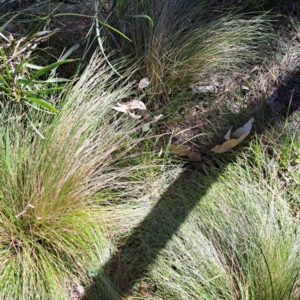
x=140, y=250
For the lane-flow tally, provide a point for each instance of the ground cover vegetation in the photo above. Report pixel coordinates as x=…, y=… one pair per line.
x=108, y=185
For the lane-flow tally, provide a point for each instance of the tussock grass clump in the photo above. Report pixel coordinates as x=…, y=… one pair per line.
x=199, y=42
x=49, y=226
x=241, y=241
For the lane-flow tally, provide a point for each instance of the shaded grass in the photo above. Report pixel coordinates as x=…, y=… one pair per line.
x=200, y=42
x=239, y=241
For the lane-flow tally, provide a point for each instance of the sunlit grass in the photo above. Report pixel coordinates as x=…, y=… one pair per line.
x=50, y=224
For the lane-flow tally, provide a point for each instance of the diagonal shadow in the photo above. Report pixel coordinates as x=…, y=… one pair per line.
x=141, y=249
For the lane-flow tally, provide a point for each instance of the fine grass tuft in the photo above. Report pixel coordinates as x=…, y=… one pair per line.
x=198, y=43
x=50, y=228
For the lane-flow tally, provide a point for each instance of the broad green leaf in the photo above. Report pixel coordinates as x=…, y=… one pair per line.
x=5, y=90
x=56, y=80
x=47, y=69
x=51, y=90
x=44, y=91
x=42, y=103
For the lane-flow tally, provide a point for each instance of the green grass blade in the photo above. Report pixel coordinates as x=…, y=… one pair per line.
x=42, y=103
x=66, y=55
x=51, y=90
x=35, y=67
x=122, y=6
x=8, y=74
x=7, y=151
x=2, y=79
x=2, y=28
x=35, y=129
x=44, y=91
x=4, y=37
x=50, y=80
x=145, y=17
x=102, y=50
x=5, y=90
x=115, y=30
x=17, y=69
x=35, y=30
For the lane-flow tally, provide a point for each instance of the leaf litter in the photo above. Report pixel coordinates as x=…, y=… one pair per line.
x=235, y=138
x=127, y=107
x=184, y=150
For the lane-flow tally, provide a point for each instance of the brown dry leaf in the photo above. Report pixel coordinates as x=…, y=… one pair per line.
x=184, y=150
x=238, y=136
x=228, y=144
x=181, y=150
x=194, y=156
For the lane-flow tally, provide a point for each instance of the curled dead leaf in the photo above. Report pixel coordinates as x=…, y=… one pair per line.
x=242, y=130
x=237, y=137
x=127, y=106
x=228, y=134
x=228, y=144
x=134, y=104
